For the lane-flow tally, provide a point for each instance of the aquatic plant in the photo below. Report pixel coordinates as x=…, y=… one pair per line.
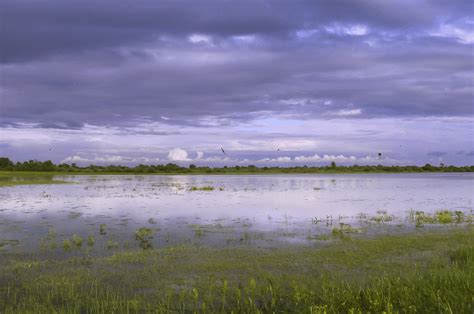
x=144, y=236
x=198, y=231
x=112, y=244
x=103, y=229
x=90, y=240
x=202, y=188
x=444, y=217
x=381, y=217
x=52, y=233
x=76, y=240
x=439, y=217
x=143, y=233
x=344, y=230
x=67, y=245
x=459, y=216
x=74, y=215
x=362, y=217
x=49, y=242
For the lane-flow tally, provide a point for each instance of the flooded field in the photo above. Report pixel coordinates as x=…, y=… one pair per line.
x=108, y=213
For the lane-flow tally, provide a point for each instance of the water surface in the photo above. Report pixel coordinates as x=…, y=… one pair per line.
x=262, y=210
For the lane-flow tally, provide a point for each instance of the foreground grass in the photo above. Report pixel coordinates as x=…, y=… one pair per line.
x=426, y=272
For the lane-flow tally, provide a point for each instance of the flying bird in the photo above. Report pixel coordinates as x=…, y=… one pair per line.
x=223, y=151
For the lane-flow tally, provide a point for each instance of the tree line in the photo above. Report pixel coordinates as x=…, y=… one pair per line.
x=48, y=166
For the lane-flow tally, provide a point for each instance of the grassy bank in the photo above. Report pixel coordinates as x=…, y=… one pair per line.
x=424, y=272
x=9, y=178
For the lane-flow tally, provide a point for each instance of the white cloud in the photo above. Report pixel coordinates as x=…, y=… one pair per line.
x=406, y=140
x=200, y=38
x=109, y=160
x=350, y=29
x=348, y=112
x=357, y=30
x=178, y=154
x=462, y=35
x=304, y=33
x=74, y=159
x=317, y=158
x=244, y=38
x=279, y=159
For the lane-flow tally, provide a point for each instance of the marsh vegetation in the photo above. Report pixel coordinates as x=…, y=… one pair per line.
x=307, y=244
x=422, y=272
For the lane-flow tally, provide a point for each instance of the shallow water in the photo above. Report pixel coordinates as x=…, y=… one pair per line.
x=261, y=210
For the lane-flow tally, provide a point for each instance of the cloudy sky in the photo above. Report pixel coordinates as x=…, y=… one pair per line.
x=272, y=82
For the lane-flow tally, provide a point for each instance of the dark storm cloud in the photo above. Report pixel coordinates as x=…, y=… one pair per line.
x=31, y=29
x=66, y=64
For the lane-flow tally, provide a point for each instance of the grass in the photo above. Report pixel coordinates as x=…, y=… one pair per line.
x=429, y=272
x=8, y=178
x=202, y=188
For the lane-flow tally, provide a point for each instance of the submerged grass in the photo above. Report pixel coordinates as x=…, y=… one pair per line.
x=430, y=272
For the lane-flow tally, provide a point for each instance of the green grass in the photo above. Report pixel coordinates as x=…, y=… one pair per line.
x=202, y=188
x=422, y=272
x=8, y=178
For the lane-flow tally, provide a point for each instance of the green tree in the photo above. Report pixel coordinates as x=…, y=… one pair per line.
x=5, y=163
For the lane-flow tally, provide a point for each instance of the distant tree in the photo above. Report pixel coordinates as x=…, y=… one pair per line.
x=47, y=166
x=427, y=167
x=333, y=164
x=192, y=166
x=5, y=163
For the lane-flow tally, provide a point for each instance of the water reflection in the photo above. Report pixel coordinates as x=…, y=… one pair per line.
x=258, y=210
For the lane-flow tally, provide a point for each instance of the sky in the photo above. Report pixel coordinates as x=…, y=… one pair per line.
x=277, y=83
